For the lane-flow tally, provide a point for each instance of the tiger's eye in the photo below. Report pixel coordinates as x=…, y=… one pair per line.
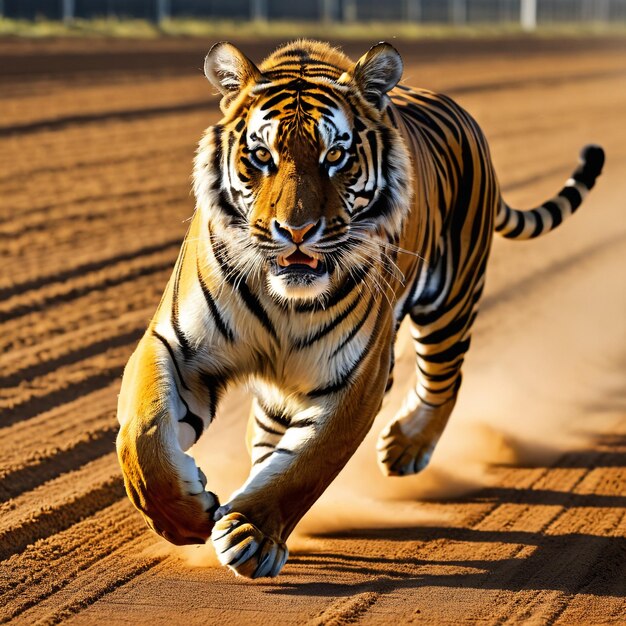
x=334, y=155
x=262, y=155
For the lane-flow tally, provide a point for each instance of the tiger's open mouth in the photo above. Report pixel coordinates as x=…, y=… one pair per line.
x=301, y=263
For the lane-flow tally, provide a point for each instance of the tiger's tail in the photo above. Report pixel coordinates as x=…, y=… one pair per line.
x=515, y=224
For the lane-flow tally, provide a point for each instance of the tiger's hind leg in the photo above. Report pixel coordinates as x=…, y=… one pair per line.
x=442, y=337
x=406, y=445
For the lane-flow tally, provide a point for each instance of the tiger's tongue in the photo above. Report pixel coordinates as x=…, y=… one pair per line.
x=297, y=258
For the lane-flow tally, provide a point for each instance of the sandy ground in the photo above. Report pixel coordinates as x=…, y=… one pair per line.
x=522, y=516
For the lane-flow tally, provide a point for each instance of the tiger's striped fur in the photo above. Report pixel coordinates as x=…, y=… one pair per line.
x=331, y=203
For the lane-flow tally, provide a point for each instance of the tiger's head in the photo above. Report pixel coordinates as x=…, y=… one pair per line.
x=306, y=174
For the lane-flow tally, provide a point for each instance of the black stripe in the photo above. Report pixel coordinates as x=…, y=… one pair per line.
x=275, y=100
x=214, y=385
x=519, y=228
x=269, y=454
x=572, y=195
x=346, y=379
x=453, y=328
x=425, y=319
x=507, y=217
x=439, y=378
x=267, y=429
x=303, y=423
x=263, y=457
x=591, y=167
x=252, y=302
x=539, y=225
x=380, y=208
x=219, y=322
x=555, y=213
x=438, y=391
x=247, y=553
x=299, y=344
x=228, y=208
x=256, y=308
x=185, y=346
x=355, y=330
x=194, y=421
x=448, y=355
x=283, y=451
x=172, y=356
x=276, y=416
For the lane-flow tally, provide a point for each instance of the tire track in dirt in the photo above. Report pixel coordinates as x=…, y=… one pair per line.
x=85, y=163
x=101, y=208
x=60, y=123
x=42, y=367
x=78, y=271
x=100, y=280
x=346, y=611
x=85, y=492
x=29, y=337
x=26, y=585
x=67, y=383
x=64, y=451
x=42, y=468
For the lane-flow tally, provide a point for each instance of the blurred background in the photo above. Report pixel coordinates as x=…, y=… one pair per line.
x=527, y=13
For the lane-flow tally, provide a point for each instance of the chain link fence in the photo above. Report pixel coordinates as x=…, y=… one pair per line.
x=527, y=12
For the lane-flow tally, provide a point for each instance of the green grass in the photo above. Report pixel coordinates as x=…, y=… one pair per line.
x=223, y=29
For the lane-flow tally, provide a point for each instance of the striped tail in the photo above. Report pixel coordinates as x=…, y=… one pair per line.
x=515, y=224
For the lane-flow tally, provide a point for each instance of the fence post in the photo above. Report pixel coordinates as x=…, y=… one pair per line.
x=603, y=11
x=68, y=11
x=349, y=11
x=528, y=14
x=163, y=10
x=413, y=10
x=459, y=12
x=259, y=10
x=328, y=11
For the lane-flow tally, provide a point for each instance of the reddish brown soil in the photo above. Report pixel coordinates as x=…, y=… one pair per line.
x=96, y=142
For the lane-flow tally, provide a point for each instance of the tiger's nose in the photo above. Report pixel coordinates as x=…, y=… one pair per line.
x=297, y=234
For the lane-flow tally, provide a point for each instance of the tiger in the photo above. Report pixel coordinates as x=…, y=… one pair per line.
x=332, y=201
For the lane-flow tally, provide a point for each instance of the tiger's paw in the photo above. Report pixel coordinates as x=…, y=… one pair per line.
x=245, y=549
x=401, y=455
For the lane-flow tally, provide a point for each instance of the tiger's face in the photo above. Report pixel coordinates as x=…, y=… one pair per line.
x=310, y=169
x=297, y=168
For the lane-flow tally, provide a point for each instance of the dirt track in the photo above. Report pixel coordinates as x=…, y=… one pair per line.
x=526, y=513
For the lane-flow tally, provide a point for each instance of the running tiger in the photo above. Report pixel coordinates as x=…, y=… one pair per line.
x=331, y=203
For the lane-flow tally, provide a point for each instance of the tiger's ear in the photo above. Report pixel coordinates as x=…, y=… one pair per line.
x=377, y=72
x=230, y=70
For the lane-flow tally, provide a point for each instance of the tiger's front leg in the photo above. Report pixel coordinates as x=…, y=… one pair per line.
x=160, y=411
x=302, y=443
